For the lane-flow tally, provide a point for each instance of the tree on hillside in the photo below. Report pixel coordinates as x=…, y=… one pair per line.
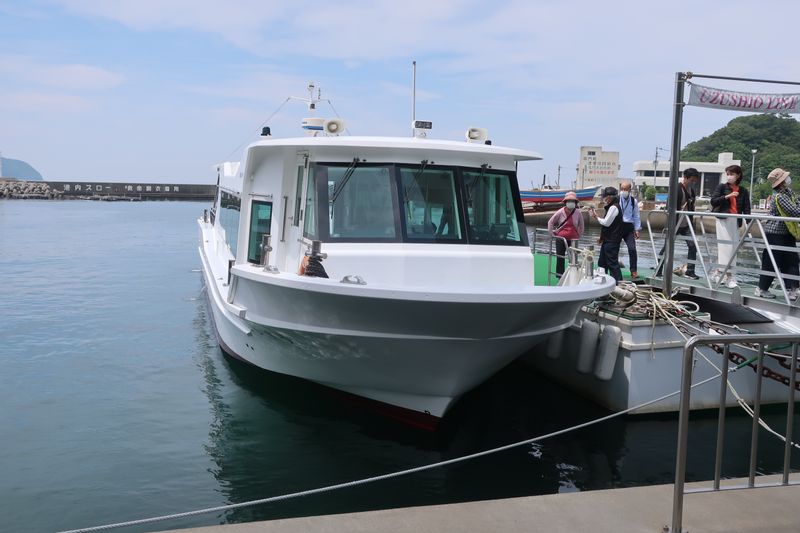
x=776, y=137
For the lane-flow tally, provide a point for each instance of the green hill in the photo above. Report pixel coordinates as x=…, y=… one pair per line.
x=776, y=137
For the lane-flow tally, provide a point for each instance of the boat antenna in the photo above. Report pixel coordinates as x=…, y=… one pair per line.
x=413, y=95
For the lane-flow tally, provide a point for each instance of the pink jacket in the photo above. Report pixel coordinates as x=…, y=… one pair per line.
x=559, y=217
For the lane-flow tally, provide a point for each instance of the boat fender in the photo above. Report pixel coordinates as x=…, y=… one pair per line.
x=589, y=332
x=607, y=353
x=554, y=344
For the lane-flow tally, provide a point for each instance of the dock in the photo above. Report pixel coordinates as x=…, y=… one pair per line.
x=761, y=509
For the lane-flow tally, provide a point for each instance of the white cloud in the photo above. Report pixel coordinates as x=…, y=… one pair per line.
x=77, y=77
x=40, y=102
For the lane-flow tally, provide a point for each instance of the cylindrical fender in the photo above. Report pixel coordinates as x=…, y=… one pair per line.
x=607, y=352
x=554, y=344
x=589, y=332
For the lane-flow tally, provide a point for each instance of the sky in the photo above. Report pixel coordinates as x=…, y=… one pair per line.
x=160, y=91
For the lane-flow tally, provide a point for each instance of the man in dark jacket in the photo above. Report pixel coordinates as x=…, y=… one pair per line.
x=610, y=234
x=686, y=198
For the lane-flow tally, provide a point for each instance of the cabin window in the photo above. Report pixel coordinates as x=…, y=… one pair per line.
x=429, y=204
x=310, y=221
x=491, y=211
x=298, y=197
x=361, y=202
x=260, y=221
x=229, y=207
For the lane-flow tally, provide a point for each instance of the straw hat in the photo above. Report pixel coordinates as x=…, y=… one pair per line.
x=777, y=176
x=570, y=196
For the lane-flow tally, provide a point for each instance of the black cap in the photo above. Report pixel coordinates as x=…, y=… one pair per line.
x=691, y=172
x=609, y=191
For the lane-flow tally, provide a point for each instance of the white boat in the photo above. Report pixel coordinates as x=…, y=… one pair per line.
x=430, y=276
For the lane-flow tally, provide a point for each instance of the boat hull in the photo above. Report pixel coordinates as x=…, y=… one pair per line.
x=417, y=354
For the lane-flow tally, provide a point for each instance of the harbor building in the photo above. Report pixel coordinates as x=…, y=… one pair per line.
x=597, y=167
x=656, y=172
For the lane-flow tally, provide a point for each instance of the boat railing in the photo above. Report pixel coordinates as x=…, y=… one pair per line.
x=744, y=265
x=543, y=243
x=759, y=342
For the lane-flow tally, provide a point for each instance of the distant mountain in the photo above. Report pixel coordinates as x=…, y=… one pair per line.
x=775, y=137
x=14, y=168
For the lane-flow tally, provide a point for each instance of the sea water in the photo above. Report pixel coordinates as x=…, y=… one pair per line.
x=117, y=404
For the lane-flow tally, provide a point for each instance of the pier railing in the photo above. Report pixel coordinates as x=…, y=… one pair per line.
x=744, y=265
x=761, y=341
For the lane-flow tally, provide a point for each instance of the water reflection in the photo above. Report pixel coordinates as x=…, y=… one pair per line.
x=273, y=434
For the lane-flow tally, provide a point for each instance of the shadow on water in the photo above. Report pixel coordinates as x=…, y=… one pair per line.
x=273, y=434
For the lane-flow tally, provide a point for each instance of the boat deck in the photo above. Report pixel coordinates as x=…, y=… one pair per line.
x=628, y=510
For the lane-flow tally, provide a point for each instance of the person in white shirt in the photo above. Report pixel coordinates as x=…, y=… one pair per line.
x=631, y=223
x=610, y=234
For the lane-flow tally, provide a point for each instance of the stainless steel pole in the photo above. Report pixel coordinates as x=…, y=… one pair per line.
x=752, y=174
x=672, y=203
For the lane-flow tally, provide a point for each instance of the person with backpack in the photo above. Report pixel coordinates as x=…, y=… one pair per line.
x=566, y=223
x=783, y=203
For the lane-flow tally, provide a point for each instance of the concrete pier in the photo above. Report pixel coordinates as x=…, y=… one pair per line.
x=629, y=510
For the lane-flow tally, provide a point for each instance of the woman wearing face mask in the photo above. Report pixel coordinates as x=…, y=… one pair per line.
x=566, y=223
x=729, y=197
x=784, y=203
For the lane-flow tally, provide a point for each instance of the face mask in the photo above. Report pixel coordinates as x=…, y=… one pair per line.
x=625, y=194
x=570, y=205
x=732, y=179
x=788, y=180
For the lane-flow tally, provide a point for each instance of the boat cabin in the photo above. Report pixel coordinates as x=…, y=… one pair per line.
x=392, y=210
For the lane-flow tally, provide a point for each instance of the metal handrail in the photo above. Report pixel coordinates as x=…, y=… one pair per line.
x=750, y=222
x=570, y=257
x=683, y=422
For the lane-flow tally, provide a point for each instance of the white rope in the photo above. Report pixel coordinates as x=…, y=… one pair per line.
x=381, y=477
x=739, y=400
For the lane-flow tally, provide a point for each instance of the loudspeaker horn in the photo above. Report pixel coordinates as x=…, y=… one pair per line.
x=477, y=135
x=333, y=126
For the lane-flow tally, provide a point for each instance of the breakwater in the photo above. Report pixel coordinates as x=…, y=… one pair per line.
x=83, y=190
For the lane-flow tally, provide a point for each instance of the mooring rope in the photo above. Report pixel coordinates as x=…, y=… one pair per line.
x=381, y=477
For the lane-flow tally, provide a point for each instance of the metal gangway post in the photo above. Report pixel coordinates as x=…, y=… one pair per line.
x=762, y=341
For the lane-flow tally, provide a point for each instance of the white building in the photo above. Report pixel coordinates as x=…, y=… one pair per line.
x=711, y=173
x=596, y=167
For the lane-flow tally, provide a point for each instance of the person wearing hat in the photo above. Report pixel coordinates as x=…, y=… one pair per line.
x=610, y=234
x=566, y=223
x=631, y=223
x=783, y=203
x=732, y=198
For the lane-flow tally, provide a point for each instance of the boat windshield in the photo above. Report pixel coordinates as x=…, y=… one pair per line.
x=430, y=204
x=491, y=211
x=377, y=202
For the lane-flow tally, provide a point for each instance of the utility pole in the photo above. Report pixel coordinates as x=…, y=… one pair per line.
x=558, y=178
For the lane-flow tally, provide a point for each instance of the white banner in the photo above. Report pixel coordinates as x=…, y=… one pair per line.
x=737, y=101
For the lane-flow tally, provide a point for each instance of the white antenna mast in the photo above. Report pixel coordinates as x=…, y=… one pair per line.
x=413, y=96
